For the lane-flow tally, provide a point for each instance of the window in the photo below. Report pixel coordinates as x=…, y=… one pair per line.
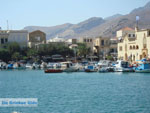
x=129, y=35
x=90, y=40
x=120, y=48
x=133, y=47
x=6, y=40
x=102, y=42
x=84, y=40
x=137, y=47
x=148, y=33
x=38, y=38
x=133, y=35
x=2, y=41
x=112, y=50
x=144, y=42
x=87, y=40
x=130, y=47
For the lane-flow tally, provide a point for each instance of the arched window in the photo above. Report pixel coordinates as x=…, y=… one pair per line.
x=130, y=47
x=133, y=47
x=137, y=47
x=133, y=57
x=144, y=42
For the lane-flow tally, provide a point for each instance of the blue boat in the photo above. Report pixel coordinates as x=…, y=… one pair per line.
x=10, y=66
x=91, y=68
x=143, y=67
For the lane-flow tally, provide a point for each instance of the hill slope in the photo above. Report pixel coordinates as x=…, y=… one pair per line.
x=97, y=26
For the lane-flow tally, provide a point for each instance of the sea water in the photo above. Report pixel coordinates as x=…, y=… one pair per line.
x=77, y=92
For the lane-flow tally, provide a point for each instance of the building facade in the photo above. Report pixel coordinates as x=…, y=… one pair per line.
x=89, y=42
x=36, y=38
x=19, y=36
x=101, y=46
x=135, y=47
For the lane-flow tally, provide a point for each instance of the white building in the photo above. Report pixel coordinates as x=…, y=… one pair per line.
x=124, y=31
x=56, y=39
x=19, y=36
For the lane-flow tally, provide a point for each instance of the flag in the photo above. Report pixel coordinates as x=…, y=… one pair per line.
x=137, y=18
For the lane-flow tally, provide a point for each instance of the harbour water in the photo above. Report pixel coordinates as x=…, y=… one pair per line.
x=77, y=92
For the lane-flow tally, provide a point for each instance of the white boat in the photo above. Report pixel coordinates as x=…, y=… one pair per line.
x=29, y=66
x=69, y=67
x=43, y=65
x=122, y=66
x=19, y=66
x=3, y=65
x=104, y=63
x=105, y=66
x=106, y=69
x=36, y=66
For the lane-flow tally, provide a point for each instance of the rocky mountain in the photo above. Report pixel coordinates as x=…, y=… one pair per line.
x=113, y=17
x=97, y=26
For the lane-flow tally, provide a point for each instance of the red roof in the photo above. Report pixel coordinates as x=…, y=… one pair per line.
x=127, y=29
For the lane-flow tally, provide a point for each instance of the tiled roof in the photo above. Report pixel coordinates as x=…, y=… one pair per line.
x=127, y=29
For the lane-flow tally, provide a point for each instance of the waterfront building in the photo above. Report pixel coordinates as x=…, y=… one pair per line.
x=134, y=47
x=36, y=38
x=122, y=32
x=71, y=41
x=19, y=36
x=101, y=46
x=56, y=39
x=89, y=41
x=113, y=47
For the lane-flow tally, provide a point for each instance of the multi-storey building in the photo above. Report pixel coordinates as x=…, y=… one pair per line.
x=19, y=36
x=135, y=47
x=36, y=38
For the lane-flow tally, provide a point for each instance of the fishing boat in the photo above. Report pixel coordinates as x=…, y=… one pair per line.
x=3, y=65
x=53, y=71
x=29, y=66
x=91, y=68
x=143, y=67
x=69, y=67
x=106, y=69
x=10, y=66
x=122, y=66
x=19, y=66
x=105, y=66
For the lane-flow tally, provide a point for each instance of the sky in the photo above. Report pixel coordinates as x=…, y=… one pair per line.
x=22, y=13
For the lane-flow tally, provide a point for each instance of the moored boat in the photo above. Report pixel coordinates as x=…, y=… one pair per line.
x=143, y=67
x=53, y=71
x=122, y=66
x=69, y=67
x=91, y=68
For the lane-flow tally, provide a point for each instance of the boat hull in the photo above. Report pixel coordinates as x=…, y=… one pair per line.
x=53, y=71
x=143, y=71
x=123, y=70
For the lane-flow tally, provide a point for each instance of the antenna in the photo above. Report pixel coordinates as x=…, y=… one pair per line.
x=7, y=25
x=137, y=21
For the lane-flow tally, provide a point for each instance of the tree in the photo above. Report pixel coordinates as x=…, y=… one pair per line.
x=13, y=47
x=110, y=58
x=16, y=56
x=4, y=55
x=32, y=53
x=82, y=49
